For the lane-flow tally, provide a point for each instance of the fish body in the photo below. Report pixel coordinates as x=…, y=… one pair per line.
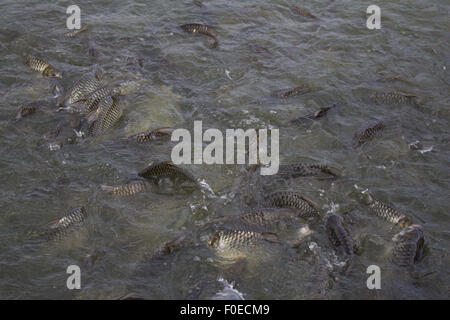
x=340, y=237
x=316, y=114
x=388, y=213
x=308, y=169
x=166, y=169
x=368, y=133
x=408, y=246
x=394, y=97
x=107, y=114
x=128, y=189
x=151, y=135
x=30, y=108
x=92, y=100
x=303, y=12
x=202, y=29
x=60, y=228
x=292, y=199
x=291, y=92
x=88, y=83
x=73, y=33
x=46, y=69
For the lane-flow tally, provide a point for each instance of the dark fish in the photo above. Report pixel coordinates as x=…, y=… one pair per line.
x=107, y=114
x=388, y=213
x=234, y=244
x=198, y=3
x=73, y=33
x=151, y=135
x=128, y=189
x=60, y=228
x=88, y=83
x=202, y=29
x=303, y=12
x=30, y=108
x=368, y=133
x=166, y=169
x=92, y=99
x=291, y=92
x=308, y=169
x=46, y=69
x=339, y=236
x=408, y=246
x=394, y=97
x=315, y=115
x=292, y=199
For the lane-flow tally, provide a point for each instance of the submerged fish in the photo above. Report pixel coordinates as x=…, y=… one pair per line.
x=303, y=12
x=73, y=33
x=308, y=169
x=292, y=199
x=62, y=227
x=394, y=97
x=128, y=189
x=107, y=114
x=30, y=108
x=202, y=29
x=388, y=213
x=368, y=133
x=166, y=169
x=234, y=244
x=46, y=69
x=151, y=135
x=339, y=236
x=291, y=92
x=92, y=99
x=408, y=246
x=88, y=83
x=315, y=115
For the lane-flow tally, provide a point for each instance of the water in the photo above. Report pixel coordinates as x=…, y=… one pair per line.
x=263, y=46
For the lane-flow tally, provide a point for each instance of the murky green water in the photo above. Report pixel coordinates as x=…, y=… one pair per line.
x=263, y=46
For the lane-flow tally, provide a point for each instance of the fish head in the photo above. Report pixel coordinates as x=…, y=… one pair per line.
x=51, y=73
x=213, y=240
x=405, y=222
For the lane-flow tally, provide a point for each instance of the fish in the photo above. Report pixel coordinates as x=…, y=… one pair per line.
x=152, y=135
x=167, y=169
x=308, y=169
x=60, y=228
x=340, y=237
x=258, y=218
x=394, y=97
x=292, y=199
x=30, y=108
x=73, y=33
x=107, y=114
x=388, y=213
x=316, y=114
x=64, y=132
x=46, y=69
x=88, y=83
x=234, y=244
x=92, y=99
x=303, y=12
x=291, y=92
x=368, y=133
x=408, y=246
x=128, y=189
x=170, y=247
x=203, y=29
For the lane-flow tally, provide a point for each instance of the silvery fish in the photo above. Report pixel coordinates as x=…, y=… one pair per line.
x=388, y=213
x=292, y=199
x=308, y=169
x=291, y=92
x=128, y=189
x=60, y=228
x=151, y=135
x=166, y=169
x=92, y=99
x=46, y=69
x=408, y=246
x=368, y=133
x=107, y=114
x=88, y=83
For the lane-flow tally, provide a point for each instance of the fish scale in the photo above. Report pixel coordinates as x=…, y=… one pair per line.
x=107, y=114
x=308, y=169
x=128, y=189
x=83, y=87
x=230, y=240
x=408, y=246
x=151, y=135
x=43, y=67
x=368, y=133
x=291, y=92
x=65, y=225
x=166, y=169
x=200, y=28
x=388, y=213
x=393, y=97
x=293, y=199
x=92, y=100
